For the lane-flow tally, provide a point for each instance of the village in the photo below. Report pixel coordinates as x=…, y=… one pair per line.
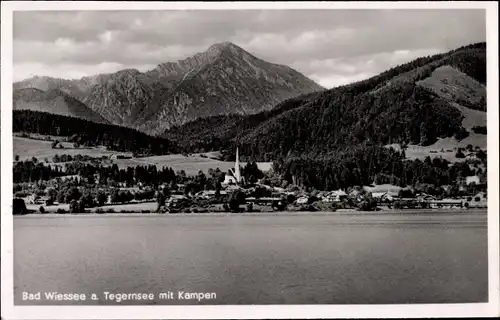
x=228, y=192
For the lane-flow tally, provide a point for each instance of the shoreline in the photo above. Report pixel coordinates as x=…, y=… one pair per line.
x=408, y=212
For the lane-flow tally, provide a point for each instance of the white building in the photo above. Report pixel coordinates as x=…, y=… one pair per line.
x=472, y=179
x=235, y=177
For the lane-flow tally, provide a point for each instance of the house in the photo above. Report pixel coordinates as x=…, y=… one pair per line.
x=33, y=199
x=302, y=200
x=389, y=196
x=334, y=196
x=209, y=194
x=42, y=200
x=378, y=195
x=47, y=201
x=231, y=187
x=279, y=190
x=472, y=179
x=446, y=188
x=425, y=197
x=480, y=197
x=355, y=194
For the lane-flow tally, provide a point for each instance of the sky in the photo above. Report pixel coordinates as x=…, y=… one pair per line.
x=332, y=47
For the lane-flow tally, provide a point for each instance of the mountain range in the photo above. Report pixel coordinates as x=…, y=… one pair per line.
x=225, y=98
x=419, y=103
x=223, y=80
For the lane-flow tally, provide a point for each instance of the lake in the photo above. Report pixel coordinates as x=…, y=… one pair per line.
x=286, y=258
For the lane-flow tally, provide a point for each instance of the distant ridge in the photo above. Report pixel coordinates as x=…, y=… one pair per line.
x=53, y=101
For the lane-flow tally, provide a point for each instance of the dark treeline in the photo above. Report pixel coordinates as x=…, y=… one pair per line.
x=32, y=170
x=149, y=175
x=366, y=165
x=388, y=108
x=89, y=133
x=479, y=129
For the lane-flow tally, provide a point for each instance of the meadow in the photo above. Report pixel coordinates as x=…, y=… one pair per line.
x=27, y=148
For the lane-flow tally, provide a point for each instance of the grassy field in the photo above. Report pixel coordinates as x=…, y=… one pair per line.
x=449, y=83
x=28, y=148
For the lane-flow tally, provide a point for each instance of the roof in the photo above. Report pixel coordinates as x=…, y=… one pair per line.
x=378, y=194
x=338, y=193
x=178, y=196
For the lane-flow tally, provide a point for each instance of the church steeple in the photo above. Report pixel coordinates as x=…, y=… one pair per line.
x=237, y=174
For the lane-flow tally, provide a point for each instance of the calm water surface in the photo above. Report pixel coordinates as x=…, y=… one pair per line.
x=257, y=259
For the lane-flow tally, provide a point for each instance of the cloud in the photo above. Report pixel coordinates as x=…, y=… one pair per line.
x=331, y=46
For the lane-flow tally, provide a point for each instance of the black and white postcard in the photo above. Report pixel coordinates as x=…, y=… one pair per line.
x=249, y=160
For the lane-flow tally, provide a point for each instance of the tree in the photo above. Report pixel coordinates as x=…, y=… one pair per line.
x=87, y=200
x=52, y=194
x=461, y=134
x=173, y=185
x=76, y=206
x=481, y=155
x=17, y=157
x=368, y=203
x=424, y=136
x=218, y=187
x=460, y=154
x=18, y=206
x=405, y=193
x=181, y=175
x=101, y=198
x=61, y=196
x=160, y=200
x=73, y=194
x=166, y=192
x=115, y=196
x=236, y=199
x=251, y=172
x=200, y=180
x=211, y=172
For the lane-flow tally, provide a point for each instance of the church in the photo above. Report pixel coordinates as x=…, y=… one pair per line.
x=235, y=177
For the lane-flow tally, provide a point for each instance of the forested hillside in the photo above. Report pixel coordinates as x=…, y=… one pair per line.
x=362, y=165
x=388, y=108
x=89, y=133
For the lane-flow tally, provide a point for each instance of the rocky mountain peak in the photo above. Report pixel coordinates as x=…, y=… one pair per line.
x=223, y=79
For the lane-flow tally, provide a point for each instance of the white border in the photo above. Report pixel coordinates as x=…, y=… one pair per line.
x=9, y=311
